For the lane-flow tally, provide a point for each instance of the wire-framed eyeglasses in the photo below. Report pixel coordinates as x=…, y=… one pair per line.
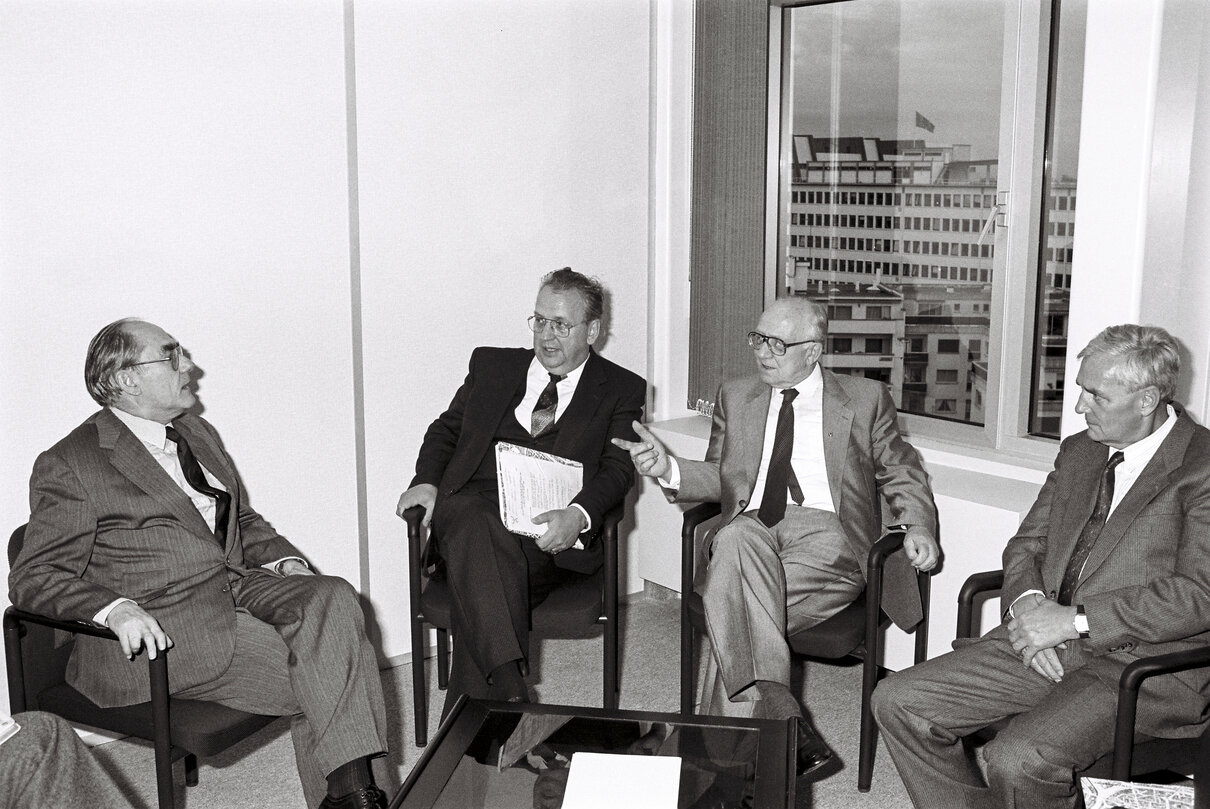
x=777, y=346
x=173, y=358
x=538, y=324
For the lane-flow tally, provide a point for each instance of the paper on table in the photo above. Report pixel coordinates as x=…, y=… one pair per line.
x=531, y=482
x=1101, y=793
x=609, y=780
x=8, y=727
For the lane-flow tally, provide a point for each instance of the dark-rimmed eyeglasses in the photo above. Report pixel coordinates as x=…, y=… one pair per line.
x=777, y=346
x=173, y=358
x=538, y=324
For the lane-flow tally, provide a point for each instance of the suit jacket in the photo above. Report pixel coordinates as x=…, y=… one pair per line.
x=107, y=522
x=869, y=465
x=1146, y=583
x=607, y=399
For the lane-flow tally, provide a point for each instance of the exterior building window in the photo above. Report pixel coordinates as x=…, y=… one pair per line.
x=933, y=176
x=947, y=376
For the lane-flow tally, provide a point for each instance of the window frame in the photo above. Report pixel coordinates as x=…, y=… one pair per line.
x=1018, y=210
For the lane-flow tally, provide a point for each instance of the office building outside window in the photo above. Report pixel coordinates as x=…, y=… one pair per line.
x=897, y=124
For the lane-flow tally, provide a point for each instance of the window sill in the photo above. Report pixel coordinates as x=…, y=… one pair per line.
x=689, y=433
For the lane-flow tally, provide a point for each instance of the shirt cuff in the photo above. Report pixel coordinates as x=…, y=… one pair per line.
x=1010, y=612
x=579, y=544
x=673, y=481
x=272, y=567
x=103, y=615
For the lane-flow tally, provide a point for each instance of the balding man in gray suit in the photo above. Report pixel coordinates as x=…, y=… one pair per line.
x=791, y=546
x=139, y=522
x=1108, y=566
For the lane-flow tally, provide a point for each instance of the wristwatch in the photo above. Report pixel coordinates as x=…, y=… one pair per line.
x=1081, y=621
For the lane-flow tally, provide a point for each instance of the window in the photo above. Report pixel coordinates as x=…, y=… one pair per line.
x=875, y=345
x=945, y=140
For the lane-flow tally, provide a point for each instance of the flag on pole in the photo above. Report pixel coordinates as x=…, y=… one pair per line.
x=923, y=123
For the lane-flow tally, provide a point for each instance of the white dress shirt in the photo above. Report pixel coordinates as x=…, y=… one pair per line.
x=806, y=458
x=536, y=380
x=1135, y=458
x=154, y=437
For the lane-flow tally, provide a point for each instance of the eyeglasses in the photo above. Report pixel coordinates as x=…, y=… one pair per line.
x=538, y=324
x=174, y=358
x=777, y=346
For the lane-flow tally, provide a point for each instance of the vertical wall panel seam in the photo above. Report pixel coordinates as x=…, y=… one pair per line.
x=355, y=300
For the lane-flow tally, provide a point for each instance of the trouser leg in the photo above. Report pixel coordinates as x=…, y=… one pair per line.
x=301, y=650
x=925, y=712
x=761, y=583
x=46, y=764
x=495, y=578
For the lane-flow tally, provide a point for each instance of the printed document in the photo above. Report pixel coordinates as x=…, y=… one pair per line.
x=531, y=482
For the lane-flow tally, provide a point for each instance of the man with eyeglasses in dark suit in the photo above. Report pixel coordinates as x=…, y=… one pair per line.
x=803, y=461
x=560, y=397
x=139, y=522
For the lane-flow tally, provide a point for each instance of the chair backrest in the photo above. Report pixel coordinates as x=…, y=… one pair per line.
x=43, y=662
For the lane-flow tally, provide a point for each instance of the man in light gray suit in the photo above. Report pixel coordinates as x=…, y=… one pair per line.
x=803, y=477
x=1108, y=566
x=139, y=522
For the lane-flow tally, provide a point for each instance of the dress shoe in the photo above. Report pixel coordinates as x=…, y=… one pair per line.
x=370, y=797
x=813, y=751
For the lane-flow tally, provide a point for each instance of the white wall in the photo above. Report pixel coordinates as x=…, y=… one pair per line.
x=189, y=162
x=496, y=142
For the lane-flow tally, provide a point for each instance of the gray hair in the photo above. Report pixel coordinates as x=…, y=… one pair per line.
x=110, y=351
x=589, y=288
x=1145, y=356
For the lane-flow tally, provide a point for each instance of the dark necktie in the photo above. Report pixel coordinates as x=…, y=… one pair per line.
x=781, y=475
x=193, y=474
x=1092, y=530
x=546, y=407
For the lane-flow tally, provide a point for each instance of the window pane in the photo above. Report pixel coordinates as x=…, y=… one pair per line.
x=1058, y=216
x=894, y=159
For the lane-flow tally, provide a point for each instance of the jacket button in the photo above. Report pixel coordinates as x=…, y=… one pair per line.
x=226, y=588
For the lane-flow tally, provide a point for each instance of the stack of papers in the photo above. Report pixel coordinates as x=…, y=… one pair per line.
x=1102, y=793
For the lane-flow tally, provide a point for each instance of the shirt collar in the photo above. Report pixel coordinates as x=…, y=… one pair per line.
x=146, y=430
x=809, y=386
x=538, y=370
x=1146, y=447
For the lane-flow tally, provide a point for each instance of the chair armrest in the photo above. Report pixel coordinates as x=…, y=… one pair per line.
x=76, y=627
x=14, y=618
x=988, y=581
x=1129, y=685
x=692, y=519
x=880, y=551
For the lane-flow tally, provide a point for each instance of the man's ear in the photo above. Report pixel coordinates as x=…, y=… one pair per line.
x=128, y=381
x=1149, y=400
x=594, y=331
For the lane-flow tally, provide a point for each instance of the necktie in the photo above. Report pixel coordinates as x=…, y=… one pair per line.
x=1092, y=530
x=546, y=407
x=193, y=474
x=781, y=474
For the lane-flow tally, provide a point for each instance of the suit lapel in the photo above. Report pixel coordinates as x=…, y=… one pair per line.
x=211, y=456
x=583, y=406
x=1151, y=481
x=130, y=458
x=837, y=423
x=746, y=430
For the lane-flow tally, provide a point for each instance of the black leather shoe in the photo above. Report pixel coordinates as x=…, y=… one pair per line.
x=370, y=797
x=813, y=751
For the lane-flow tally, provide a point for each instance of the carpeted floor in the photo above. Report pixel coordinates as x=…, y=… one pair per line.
x=260, y=772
